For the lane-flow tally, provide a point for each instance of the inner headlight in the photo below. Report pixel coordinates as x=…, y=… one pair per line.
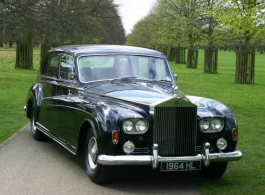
x=135, y=126
x=204, y=125
x=141, y=126
x=211, y=125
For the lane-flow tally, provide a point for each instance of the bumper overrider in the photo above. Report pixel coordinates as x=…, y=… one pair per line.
x=206, y=158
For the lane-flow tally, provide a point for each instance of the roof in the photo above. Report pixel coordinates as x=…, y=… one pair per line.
x=111, y=49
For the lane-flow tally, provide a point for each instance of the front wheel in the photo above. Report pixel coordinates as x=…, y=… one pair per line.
x=214, y=171
x=98, y=173
x=36, y=134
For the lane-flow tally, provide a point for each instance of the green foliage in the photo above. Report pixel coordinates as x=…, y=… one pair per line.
x=246, y=176
x=208, y=23
x=60, y=22
x=244, y=18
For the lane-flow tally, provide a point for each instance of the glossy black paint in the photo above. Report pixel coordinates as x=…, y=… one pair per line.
x=66, y=108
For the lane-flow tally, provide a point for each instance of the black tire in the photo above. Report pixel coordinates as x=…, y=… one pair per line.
x=214, y=171
x=36, y=133
x=98, y=173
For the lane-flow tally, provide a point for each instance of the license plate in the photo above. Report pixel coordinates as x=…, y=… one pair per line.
x=181, y=166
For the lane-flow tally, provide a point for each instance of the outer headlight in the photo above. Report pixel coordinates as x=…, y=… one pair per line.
x=135, y=126
x=217, y=124
x=211, y=125
x=127, y=126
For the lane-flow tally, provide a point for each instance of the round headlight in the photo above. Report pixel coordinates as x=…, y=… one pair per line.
x=127, y=126
x=217, y=124
x=128, y=147
x=221, y=144
x=141, y=126
x=204, y=125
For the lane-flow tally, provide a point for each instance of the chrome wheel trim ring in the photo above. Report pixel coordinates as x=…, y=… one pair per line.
x=33, y=127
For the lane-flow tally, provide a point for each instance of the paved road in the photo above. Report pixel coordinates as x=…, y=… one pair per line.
x=28, y=167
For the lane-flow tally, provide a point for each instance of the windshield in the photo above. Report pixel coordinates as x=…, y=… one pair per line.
x=93, y=68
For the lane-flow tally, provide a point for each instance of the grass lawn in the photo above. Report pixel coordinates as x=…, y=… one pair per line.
x=246, y=176
x=14, y=86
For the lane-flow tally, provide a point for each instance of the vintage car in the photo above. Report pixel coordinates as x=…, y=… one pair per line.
x=119, y=105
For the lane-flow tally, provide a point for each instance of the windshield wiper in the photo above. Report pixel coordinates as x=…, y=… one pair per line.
x=123, y=80
x=160, y=81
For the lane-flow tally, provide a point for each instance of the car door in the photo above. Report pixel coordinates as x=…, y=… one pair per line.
x=49, y=76
x=63, y=112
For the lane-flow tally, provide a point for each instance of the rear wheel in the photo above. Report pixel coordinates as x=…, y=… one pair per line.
x=36, y=134
x=214, y=171
x=98, y=173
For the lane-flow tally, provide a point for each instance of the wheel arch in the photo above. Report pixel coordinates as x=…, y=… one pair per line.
x=84, y=130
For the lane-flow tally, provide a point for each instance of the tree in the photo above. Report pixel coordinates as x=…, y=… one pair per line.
x=142, y=33
x=187, y=13
x=56, y=22
x=245, y=18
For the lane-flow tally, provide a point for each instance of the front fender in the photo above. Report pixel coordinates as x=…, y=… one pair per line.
x=213, y=108
x=110, y=115
x=37, y=92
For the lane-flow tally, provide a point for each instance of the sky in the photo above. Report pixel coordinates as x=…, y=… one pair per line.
x=131, y=11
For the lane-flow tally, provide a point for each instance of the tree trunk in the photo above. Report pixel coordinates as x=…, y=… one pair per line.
x=24, y=52
x=180, y=55
x=245, y=66
x=45, y=47
x=245, y=63
x=192, y=61
x=169, y=53
x=210, y=60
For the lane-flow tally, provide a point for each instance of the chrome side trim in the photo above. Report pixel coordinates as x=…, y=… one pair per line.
x=46, y=132
x=206, y=158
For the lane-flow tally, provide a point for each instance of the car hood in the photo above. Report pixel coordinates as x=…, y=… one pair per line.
x=135, y=92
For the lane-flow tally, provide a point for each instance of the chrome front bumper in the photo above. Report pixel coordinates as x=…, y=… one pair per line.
x=206, y=158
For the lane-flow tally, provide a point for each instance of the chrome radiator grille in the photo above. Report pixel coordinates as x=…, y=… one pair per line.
x=175, y=130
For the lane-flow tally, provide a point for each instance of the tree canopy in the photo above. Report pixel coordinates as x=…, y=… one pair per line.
x=61, y=22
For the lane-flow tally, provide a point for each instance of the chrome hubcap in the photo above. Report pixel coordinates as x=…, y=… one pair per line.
x=92, y=153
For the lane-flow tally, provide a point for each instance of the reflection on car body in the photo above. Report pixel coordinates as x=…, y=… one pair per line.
x=119, y=105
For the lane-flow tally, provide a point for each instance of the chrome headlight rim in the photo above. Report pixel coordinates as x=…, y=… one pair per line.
x=216, y=124
x=139, y=126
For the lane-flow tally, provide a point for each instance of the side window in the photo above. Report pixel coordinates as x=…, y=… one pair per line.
x=67, y=67
x=51, y=65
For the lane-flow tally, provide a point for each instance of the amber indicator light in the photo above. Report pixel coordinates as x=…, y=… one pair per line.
x=234, y=134
x=115, y=137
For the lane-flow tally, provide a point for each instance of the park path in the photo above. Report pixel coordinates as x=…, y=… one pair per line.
x=28, y=167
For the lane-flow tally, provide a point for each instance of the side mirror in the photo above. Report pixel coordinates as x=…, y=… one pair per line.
x=175, y=77
x=71, y=76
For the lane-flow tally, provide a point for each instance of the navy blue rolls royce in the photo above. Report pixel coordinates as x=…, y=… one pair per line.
x=119, y=105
